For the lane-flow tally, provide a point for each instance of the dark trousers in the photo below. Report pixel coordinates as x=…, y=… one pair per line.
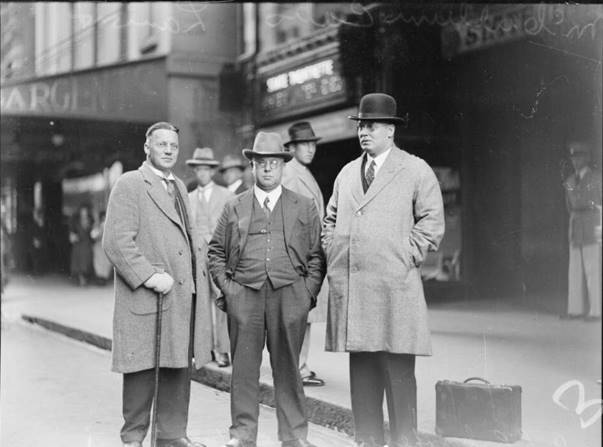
x=172, y=406
x=372, y=374
x=278, y=316
x=172, y=400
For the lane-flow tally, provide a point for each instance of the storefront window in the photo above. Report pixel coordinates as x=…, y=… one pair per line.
x=445, y=264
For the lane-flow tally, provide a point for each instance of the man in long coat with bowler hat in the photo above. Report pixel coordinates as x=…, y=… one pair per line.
x=298, y=178
x=150, y=240
x=207, y=202
x=266, y=258
x=385, y=214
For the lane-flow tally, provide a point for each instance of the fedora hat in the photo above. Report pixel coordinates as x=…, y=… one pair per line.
x=377, y=107
x=231, y=161
x=300, y=132
x=203, y=156
x=267, y=144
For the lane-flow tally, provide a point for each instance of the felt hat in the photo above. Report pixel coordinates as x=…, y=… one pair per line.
x=267, y=144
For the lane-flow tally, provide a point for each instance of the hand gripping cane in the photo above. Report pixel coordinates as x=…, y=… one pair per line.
x=157, y=359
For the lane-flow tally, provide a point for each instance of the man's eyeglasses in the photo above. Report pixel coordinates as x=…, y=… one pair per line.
x=263, y=163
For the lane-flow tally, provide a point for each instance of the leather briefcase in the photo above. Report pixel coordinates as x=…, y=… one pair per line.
x=478, y=410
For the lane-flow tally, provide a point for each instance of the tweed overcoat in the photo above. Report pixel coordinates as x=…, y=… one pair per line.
x=375, y=243
x=144, y=235
x=299, y=179
x=302, y=240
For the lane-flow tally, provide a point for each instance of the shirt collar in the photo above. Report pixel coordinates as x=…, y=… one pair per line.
x=234, y=185
x=207, y=187
x=273, y=195
x=159, y=173
x=379, y=159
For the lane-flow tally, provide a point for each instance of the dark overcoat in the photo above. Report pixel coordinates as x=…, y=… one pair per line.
x=143, y=235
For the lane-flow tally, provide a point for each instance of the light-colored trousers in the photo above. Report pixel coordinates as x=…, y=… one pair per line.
x=584, y=277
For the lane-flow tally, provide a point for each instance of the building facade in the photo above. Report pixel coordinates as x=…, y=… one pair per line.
x=491, y=93
x=80, y=84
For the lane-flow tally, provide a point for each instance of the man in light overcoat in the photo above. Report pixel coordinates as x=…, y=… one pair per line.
x=207, y=202
x=150, y=240
x=298, y=178
x=385, y=214
x=266, y=258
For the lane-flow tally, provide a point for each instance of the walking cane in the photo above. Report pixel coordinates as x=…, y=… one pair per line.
x=157, y=357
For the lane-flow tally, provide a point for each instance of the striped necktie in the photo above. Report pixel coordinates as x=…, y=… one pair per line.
x=370, y=173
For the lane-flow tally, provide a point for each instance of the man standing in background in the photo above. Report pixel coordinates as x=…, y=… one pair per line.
x=207, y=202
x=583, y=197
x=298, y=178
x=232, y=172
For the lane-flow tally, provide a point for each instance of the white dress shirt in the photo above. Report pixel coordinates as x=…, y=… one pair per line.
x=161, y=175
x=205, y=191
x=379, y=160
x=273, y=195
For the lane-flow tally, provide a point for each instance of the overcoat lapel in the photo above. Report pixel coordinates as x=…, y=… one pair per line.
x=356, y=185
x=160, y=196
x=393, y=164
x=243, y=210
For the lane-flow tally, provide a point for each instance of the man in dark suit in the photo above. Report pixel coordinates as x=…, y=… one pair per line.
x=265, y=257
x=150, y=240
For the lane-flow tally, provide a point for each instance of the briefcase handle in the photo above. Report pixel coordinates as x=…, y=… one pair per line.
x=477, y=378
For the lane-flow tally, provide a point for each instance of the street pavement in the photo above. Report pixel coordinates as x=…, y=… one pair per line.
x=57, y=392
x=499, y=340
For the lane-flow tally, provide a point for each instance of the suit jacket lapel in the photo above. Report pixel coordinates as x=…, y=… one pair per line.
x=243, y=209
x=393, y=164
x=159, y=195
x=289, y=210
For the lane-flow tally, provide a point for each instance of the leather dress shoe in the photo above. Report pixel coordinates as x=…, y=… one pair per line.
x=180, y=442
x=234, y=442
x=133, y=444
x=297, y=443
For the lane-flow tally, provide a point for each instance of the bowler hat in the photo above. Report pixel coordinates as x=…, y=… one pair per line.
x=577, y=148
x=267, y=144
x=300, y=132
x=377, y=107
x=231, y=161
x=203, y=156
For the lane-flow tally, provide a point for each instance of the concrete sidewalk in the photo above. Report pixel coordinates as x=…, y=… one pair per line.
x=503, y=343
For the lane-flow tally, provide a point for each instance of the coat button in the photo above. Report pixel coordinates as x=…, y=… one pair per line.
x=180, y=281
x=180, y=252
x=204, y=275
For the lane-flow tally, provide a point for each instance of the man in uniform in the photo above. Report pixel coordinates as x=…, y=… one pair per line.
x=151, y=243
x=207, y=202
x=385, y=214
x=583, y=196
x=265, y=257
x=298, y=178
